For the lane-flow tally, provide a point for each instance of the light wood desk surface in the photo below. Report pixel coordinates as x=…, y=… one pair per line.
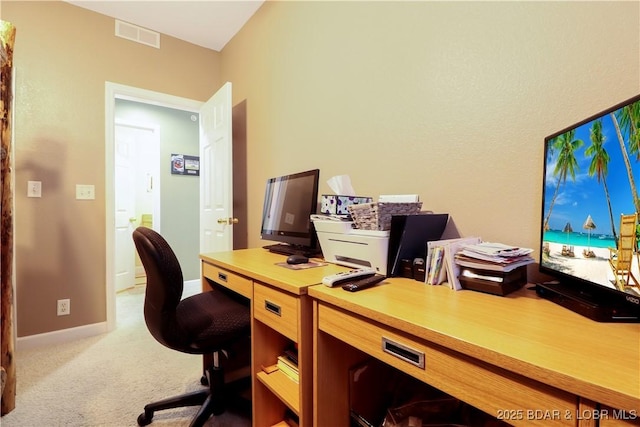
x=261, y=265
x=520, y=333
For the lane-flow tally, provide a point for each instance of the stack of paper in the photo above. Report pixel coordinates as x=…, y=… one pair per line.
x=493, y=256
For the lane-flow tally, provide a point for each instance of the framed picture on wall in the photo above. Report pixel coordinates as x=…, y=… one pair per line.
x=182, y=164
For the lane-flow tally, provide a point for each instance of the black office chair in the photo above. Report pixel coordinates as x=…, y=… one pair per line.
x=205, y=323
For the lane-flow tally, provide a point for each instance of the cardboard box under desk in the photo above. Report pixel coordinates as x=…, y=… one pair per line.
x=369, y=396
x=508, y=281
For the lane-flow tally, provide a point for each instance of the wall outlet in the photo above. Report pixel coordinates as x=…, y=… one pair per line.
x=64, y=307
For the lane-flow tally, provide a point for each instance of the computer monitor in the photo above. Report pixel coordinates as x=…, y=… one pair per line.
x=289, y=201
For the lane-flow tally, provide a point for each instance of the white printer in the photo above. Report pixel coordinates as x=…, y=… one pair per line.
x=342, y=244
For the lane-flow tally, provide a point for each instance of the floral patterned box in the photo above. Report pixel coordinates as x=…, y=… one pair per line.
x=337, y=205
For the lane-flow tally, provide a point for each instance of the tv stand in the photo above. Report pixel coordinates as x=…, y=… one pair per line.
x=591, y=306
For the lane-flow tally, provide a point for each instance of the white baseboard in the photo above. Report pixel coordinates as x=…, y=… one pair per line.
x=195, y=282
x=61, y=336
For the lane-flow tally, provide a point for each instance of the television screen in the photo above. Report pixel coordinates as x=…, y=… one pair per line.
x=289, y=201
x=591, y=174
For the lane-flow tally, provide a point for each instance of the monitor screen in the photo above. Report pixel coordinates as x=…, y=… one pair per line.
x=289, y=201
x=590, y=180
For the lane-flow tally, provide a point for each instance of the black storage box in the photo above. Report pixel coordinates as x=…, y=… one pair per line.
x=493, y=282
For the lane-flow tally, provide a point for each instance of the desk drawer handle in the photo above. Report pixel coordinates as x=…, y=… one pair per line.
x=222, y=277
x=403, y=352
x=274, y=308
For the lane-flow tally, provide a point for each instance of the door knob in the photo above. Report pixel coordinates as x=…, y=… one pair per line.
x=228, y=221
x=132, y=219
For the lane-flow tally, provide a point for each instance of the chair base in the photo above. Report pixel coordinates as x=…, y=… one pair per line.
x=212, y=401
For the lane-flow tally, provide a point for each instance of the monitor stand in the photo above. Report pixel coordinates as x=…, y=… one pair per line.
x=595, y=307
x=286, y=249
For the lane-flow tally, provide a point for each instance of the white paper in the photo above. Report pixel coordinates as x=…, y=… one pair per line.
x=341, y=185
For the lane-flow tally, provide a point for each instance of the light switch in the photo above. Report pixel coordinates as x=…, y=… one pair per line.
x=34, y=189
x=85, y=192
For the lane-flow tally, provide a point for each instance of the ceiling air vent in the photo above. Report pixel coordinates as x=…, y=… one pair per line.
x=137, y=34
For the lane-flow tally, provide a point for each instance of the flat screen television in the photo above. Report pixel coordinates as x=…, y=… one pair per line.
x=591, y=178
x=289, y=201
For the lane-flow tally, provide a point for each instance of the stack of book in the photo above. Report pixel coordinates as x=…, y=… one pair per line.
x=440, y=263
x=288, y=364
x=494, y=268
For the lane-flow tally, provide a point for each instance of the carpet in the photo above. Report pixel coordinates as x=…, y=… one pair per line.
x=106, y=380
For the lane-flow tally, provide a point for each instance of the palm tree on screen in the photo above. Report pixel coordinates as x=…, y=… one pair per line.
x=628, y=120
x=566, y=146
x=599, y=166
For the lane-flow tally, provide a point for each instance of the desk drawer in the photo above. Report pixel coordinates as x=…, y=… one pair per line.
x=226, y=278
x=500, y=393
x=277, y=310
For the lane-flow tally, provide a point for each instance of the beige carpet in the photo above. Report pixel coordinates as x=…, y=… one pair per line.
x=106, y=380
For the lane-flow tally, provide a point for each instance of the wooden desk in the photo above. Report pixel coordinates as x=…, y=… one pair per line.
x=519, y=358
x=281, y=314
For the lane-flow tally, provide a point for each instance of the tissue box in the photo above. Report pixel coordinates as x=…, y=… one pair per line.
x=337, y=205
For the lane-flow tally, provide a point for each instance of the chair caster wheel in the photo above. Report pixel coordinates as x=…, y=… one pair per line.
x=204, y=380
x=144, y=420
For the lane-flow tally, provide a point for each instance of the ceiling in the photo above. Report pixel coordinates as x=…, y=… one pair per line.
x=206, y=23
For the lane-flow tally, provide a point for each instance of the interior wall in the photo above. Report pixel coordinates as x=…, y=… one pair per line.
x=63, y=57
x=179, y=194
x=449, y=100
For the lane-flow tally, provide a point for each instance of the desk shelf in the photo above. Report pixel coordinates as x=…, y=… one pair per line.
x=281, y=315
x=283, y=387
x=272, y=334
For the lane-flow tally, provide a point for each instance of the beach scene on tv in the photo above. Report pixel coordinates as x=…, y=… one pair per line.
x=589, y=218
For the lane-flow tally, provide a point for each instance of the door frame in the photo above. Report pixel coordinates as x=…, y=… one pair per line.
x=113, y=91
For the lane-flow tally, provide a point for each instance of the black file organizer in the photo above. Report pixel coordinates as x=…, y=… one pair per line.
x=409, y=235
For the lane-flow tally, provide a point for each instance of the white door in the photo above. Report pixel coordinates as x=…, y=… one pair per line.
x=216, y=178
x=125, y=208
x=136, y=161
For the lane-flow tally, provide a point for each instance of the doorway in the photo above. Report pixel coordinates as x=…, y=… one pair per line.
x=170, y=136
x=115, y=91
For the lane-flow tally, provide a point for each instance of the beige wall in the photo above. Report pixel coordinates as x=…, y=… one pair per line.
x=450, y=100
x=63, y=57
